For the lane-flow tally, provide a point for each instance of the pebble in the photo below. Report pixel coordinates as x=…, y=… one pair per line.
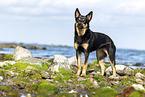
x=1, y=78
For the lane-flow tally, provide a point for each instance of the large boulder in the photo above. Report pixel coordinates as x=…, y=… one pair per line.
x=60, y=62
x=21, y=53
x=121, y=70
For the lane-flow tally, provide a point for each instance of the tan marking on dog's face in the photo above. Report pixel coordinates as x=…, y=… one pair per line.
x=85, y=46
x=76, y=46
x=81, y=32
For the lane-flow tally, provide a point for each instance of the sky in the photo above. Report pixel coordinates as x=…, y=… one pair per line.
x=52, y=21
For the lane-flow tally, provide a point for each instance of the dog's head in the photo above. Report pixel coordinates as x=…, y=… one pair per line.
x=82, y=22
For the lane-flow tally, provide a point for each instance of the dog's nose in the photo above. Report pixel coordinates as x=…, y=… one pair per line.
x=80, y=26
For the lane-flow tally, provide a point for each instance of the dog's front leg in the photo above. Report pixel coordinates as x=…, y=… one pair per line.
x=85, y=64
x=78, y=55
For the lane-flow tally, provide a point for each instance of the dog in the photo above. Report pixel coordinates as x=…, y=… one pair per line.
x=86, y=41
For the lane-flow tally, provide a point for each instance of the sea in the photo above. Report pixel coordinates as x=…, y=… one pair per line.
x=129, y=57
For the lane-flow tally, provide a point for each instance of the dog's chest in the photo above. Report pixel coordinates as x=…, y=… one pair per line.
x=81, y=47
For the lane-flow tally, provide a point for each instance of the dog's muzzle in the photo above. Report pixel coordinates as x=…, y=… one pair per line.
x=80, y=26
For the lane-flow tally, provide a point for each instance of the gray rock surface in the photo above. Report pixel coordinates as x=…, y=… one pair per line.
x=33, y=61
x=121, y=70
x=138, y=87
x=21, y=53
x=60, y=62
x=139, y=75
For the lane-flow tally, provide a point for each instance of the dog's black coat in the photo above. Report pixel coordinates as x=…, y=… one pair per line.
x=95, y=41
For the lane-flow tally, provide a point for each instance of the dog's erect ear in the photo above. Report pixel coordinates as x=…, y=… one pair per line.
x=89, y=15
x=77, y=13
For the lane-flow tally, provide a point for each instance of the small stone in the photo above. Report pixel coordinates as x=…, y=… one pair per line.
x=11, y=73
x=94, y=82
x=45, y=74
x=1, y=78
x=28, y=95
x=139, y=81
x=116, y=78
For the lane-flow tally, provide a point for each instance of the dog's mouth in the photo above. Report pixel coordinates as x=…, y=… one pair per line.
x=81, y=28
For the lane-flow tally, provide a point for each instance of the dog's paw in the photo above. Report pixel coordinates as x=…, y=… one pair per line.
x=77, y=74
x=83, y=74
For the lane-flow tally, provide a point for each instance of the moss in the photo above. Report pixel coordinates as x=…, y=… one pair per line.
x=58, y=78
x=9, y=57
x=94, y=63
x=22, y=66
x=5, y=88
x=2, y=73
x=46, y=88
x=106, y=92
x=36, y=77
x=126, y=82
x=9, y=66
x=99, y=78
x=136, y=94
x=33, y=87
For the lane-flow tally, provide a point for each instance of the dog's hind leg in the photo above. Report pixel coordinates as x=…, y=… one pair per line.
x=111, y=59
x=100, y=57
x=78, y=55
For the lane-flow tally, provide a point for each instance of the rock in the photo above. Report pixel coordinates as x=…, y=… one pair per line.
x=37, y=47
x=30, y=70
x=94, y=82
x=5, y=63
x=127, y=91
x=138, y=87
x=33, y=61
x=72, y=60
x=139, y=81
x=60, y=59
x=45, y=74
x=121, y=70
x=11, y=73
x=28, y=95
x=8, y=45
x=1, y=78
x=116, y=78
x=139, y=75
x=60, y=62
x=21, y=53
x=93, y=72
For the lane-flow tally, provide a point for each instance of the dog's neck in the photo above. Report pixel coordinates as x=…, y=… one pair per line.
x=82, y=32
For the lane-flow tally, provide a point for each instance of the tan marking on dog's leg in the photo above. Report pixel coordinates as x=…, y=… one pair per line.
x=85, y=64
x=84, y=68
x=76, y=46
x=85, y=46
x=101, y=63
x=112, y=64
x=79, y=64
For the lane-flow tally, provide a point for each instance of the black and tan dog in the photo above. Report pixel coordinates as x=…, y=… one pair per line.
x=87, y=41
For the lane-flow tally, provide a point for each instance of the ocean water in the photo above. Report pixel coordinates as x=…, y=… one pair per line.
x=124, y=56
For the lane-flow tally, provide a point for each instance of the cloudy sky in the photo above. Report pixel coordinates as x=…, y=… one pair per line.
x=52, y=21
